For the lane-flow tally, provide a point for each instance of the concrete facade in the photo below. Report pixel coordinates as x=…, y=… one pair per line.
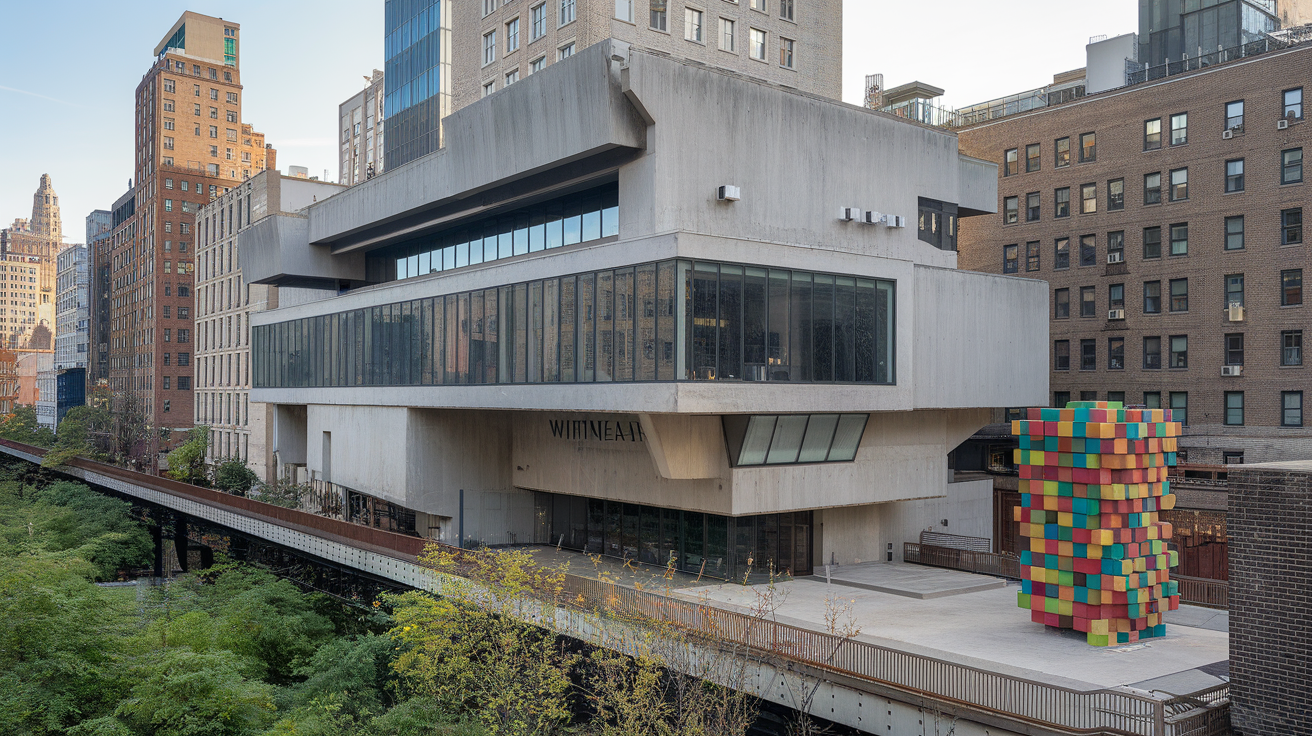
x=224, y=304
x=957, y=339
x=1241, y=354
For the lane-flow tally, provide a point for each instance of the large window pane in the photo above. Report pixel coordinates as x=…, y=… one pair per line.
x=519, y=329
x=756, y=442
x=731, y=296
x=823, y=327
x=754, y=324
x=491, y=335
x=844, y=328
x=477, y=350
x=819, y=436
x=605, y=325
x=777, y=353
x=588, y=327
x=665, y=323
x=705, y=307
x=645, y=302
x=787, y=440
x=800, y=327
x=568, y=328
x=624, y=319
x=535, y=332
x=551, y=331
x=847, y=437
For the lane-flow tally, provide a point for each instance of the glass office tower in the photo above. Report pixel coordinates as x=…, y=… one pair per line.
x=417, y=71
x=1172, y=29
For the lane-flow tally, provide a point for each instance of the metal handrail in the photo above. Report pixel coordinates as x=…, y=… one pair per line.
x=1203, y=591
x=1075, y=711
x=987, y=563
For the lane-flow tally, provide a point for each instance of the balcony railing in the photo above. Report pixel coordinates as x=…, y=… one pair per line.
x=1203, y=591
x=1271, y=42
x=985, y=563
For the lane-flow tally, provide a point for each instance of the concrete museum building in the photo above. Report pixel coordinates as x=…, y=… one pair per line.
x=645, y=308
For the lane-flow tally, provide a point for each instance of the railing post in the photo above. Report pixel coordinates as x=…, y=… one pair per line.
x=1159, y=718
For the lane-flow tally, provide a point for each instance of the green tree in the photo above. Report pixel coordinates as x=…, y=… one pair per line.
x=285, y=492
x=232, y=476
x=83, y=432
x=179, y=692
x=187, y=462
x=21, y=426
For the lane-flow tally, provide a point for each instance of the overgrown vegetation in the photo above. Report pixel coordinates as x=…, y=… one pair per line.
x=235, y=651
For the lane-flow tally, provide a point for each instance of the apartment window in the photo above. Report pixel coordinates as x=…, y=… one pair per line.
x=1234, y=408
x=196, y=93
x=184, y=359
x=1291, y=287
x=1116, y=296
x=1234, y=348
x=1293, y=104
x=1152, y=134
x=1234, y=290
x=184, y=382
x=756, y=45
x=1291, y=166
x=1011, y=162
x=1152, y=399
x=1180, y=406
x=232, y=98
x=728, y=35
x=1180, y=239
x=214, y=113
x=1010, y=210
x=195, y=109
x=166, y=383
x=1088, y=250
x=1115, y=353
x=1088, y=396
x=1088, y=198
x=214, y=131
x=168, y=334
x=1116, y=244
x=168, y=143
x=1234, y=232
x=1179, y=295
x=564, y=52
x=1032, y=157
x=168, y=184
x=489, y=7
x=214, y=94
x=786, y=9
x=1179, y=184
x=1291, y=347
x=1234, y=115
x=1152, y=188
x=624, y=10
x=1061, y=302
x=1116, y=194
x=537, y=21
x=1180, y=129
x=512, y=77
x=1032, y=207
x=1061, y=152
x=537, y=65
x=1152, y=353
x=758, y=5
x=489, y=88
x=168, y=105
x=1291, y=226
x=168, y=205
x=692, y=25
x=489, y=47
x=512, y=34
x=786, y=53
x=1152, y=242
x=1179, y=351
x=1062, y=253
x=168, y=85
x=1291, y=403
x=1061, y=355
x=1088, y=151
x=1032, y=256
x=168, y=123
x=1062, y=203
x=1061, y=398
x=1088, y=355
x=1010, y=259
x=1088, y=302
x=566, y=12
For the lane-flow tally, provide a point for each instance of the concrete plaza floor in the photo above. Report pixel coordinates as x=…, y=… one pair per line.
x=985, y=629
x=949, y=615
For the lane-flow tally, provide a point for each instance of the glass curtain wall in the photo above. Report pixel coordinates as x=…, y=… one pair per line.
x=667, y=321
x=724, y=547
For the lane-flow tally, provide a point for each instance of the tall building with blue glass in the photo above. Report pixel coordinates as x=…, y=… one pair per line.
x=418, y=78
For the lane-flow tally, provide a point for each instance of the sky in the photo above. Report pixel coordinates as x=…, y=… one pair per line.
x=68, y=70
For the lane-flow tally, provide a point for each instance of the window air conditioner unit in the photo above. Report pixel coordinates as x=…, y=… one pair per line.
x=1228, y=134
x=1116, y=257
x=1116, y=314
x=1232, y=370
x=1236, y=312
x=873, y=218
x=895, y=220
x=1282, y=124
x=848, y=214
x=728, y=193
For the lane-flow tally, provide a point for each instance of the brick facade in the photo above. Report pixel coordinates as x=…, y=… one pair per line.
x=816, y=30
x=1270, y=519
x=1117, y=118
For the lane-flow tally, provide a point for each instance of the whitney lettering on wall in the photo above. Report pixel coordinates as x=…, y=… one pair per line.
x=603, y=430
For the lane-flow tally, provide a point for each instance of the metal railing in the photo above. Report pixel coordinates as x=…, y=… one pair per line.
x=1272, y=42
x=986, y=563
x=1203, y=591
x=956, y=541
x=1075, y=711
x=1116, y=712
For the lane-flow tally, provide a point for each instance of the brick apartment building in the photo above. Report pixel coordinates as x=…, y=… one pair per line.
x=191, y=145
x=1167, y=217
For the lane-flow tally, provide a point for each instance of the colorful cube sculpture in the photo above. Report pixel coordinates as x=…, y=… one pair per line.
x=1092, y=482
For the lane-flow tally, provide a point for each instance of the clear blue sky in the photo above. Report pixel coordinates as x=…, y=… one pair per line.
x=68, y=70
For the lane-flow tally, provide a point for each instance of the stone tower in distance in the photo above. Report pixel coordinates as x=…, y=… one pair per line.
x=45, y=212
